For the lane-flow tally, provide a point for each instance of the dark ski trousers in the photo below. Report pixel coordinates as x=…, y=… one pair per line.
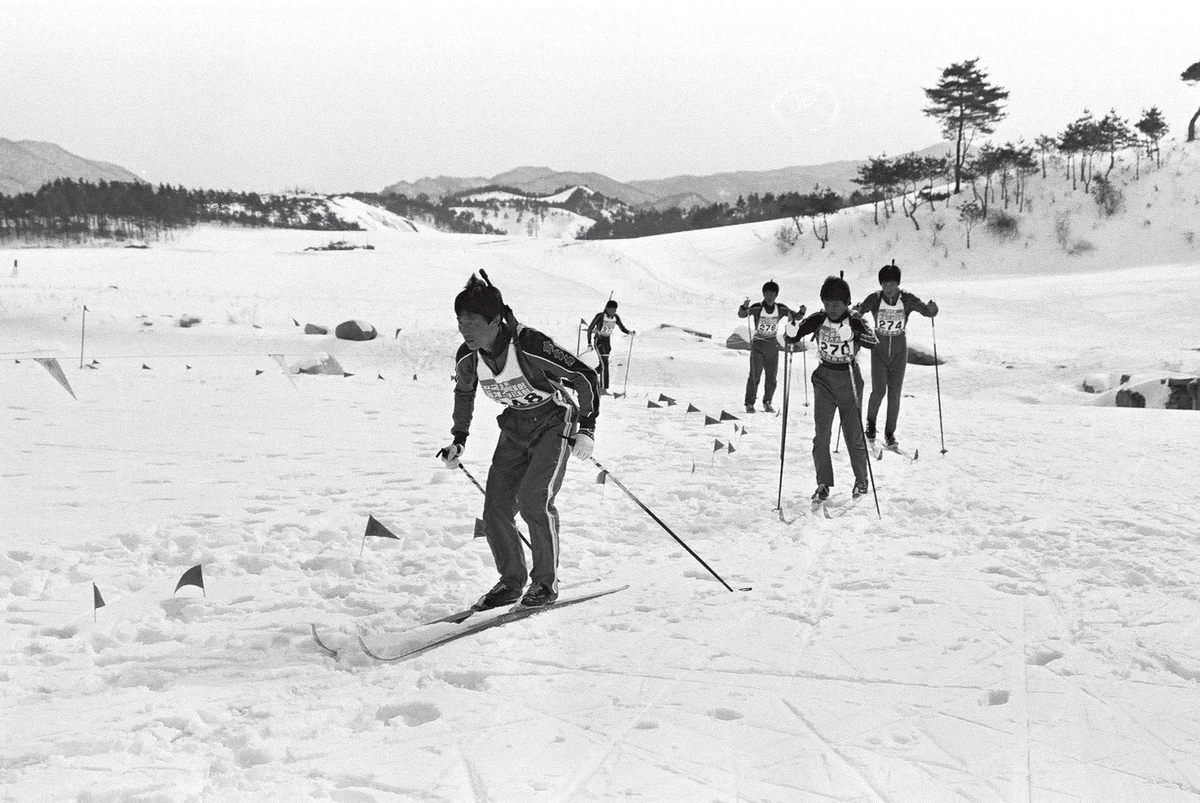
x=603, y=348
x=888, y=360
x=764, y=357
x=527, y=471
x=832, y=394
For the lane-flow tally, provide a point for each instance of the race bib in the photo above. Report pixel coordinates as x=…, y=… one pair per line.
x=768, y=325
x=889, y=321
x=515, y=392
x=607, y=326
x=835, y=343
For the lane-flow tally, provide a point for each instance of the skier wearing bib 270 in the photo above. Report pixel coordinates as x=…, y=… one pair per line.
x=530, y=375
x=764, y=348
x=839, y=332
x=599, y=333
x=891, y=307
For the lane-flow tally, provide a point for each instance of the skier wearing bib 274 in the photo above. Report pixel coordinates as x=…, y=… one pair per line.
x=891, y=307
x=839, y=332
x=541, y=426
x=764, y=348
x=599, y=333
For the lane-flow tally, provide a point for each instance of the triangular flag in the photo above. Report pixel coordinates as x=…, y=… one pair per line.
x=670, y=402
x=380, y=376
x=377, y=530
x=730, y=449
x=652, y=404
x=396, y=335
x=602, y=477
x=708, y=419
x=728, y=416
x=582, y=322
x=192, y=577
x=743, y=430
x=692, y=408
x=56, y=371
x=188, y=367
x=97, y=600
x=618, y=395
x=295, y=321
x=718, y=446
x=414, y=377
x=145, y=367
x=85, y=309
x=257, y=371
x=344, y=374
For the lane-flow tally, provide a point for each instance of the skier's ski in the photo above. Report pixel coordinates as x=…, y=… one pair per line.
x=511, y=615
x=325, y=647
x=910, y=456
x=836, y=508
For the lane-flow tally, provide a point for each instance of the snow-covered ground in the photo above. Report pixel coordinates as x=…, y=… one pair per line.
x=1019, y=622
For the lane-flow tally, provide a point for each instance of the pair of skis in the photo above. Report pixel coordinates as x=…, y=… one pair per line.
x=508, y=616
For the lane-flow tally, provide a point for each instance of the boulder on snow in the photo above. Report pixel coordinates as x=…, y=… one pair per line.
x=186, y=321
x=355, y=330
x=918, y=355
x=313, y=329
x=1130, y=398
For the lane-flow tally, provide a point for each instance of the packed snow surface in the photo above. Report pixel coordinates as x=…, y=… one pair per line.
x=1020, y=620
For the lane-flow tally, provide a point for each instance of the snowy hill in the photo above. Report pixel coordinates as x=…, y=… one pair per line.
x=556, y=215
x=1016, y=620
x=27, y=165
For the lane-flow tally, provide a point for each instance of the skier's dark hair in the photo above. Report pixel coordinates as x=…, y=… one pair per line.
x=835, y=289
x=889, y=273
x=771, y=287
x=611, y=304
x=480, y=297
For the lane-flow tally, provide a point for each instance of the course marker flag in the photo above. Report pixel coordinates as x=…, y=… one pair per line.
x=56, y=371
x=192, y=577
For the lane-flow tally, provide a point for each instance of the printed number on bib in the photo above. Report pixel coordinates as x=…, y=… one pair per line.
x=890, y=321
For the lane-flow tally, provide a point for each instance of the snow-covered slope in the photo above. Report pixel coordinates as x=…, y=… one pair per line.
x=1017, y=622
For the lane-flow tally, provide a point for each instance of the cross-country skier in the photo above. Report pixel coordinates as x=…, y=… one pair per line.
x=599, y=334
x=764, y=347
x=530, y=375
x=839, y=332
x=891, y=307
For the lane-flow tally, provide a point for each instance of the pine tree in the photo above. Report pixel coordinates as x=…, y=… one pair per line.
x=966, y=104
x=1192, y=76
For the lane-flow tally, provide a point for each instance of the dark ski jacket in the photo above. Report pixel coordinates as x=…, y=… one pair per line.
x=546, y=365
x=863, y=336
x=594, y=327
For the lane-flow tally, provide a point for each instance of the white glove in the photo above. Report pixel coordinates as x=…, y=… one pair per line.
x=584, y=443
x=451, y=453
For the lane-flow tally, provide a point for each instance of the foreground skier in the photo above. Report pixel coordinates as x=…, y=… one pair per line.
x=839, y=334
x=529, y=374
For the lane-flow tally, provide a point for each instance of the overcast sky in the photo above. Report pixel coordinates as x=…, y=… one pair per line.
x=338, y=96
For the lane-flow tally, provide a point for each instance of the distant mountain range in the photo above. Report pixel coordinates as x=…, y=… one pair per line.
x=27, y=165
x=677, y=191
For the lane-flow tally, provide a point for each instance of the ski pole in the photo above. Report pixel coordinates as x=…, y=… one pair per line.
x=480, y=487
x=609, y=475
x=804, y=358
x=937, y=379
x=628, y=360
x=862, y=437
x=787, y=394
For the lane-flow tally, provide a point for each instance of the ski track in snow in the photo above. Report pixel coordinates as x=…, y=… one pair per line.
x=1020, y=622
